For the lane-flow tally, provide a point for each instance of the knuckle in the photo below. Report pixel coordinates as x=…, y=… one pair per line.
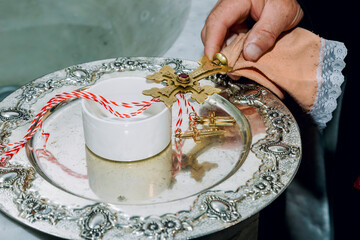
x=203, y=36
x=267, y=35
x=213, y=18
x=203, y=33
x=291, y=12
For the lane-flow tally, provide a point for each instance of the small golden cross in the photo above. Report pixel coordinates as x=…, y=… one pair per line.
x=198, y=134
x=212, y=120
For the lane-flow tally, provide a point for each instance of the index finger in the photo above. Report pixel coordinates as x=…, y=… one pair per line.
x=224, y=15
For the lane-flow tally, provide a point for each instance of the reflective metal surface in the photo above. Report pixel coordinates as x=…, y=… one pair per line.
x=67, y=191
x=68, y=164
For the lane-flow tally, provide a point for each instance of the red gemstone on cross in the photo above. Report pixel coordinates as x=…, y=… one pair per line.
x=183, y=75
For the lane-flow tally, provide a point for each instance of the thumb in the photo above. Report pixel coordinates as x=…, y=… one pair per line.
x=275, y=18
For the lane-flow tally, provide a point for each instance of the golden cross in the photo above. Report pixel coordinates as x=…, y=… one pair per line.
x=184, y=83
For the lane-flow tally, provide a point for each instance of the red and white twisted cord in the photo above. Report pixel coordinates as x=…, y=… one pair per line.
x=179, y=142
x=37, y=122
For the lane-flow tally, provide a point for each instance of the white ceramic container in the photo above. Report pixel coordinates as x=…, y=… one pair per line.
x=128, y=139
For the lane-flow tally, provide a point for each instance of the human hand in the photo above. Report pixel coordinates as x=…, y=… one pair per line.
x=228, y=17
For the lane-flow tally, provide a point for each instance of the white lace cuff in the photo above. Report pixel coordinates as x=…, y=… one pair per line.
x=329, y=78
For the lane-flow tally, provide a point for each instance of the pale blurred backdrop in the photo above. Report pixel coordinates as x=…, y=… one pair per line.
x=38, y=37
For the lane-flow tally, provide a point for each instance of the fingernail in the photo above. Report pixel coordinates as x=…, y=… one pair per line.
x=252, y=52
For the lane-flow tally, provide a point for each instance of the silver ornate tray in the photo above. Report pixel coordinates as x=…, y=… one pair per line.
x=67, y=191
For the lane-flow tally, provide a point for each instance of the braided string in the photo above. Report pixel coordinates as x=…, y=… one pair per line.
x=37, y=122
